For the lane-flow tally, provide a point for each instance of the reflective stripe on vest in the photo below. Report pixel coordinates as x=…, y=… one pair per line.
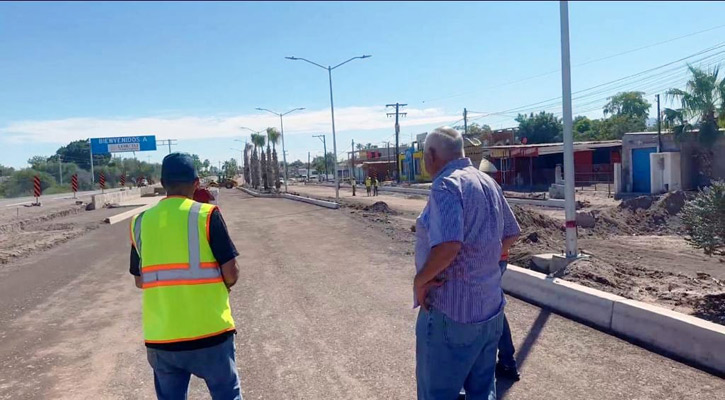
x=195, y=272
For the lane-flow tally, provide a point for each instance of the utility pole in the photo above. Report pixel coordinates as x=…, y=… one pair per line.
x=324, y=147
x=569, y=182
x=353, y=182
x=397, y=134
x=388, y=158
x=465, y=121
x=308, y=166
x=169, y=142
x=659, y=126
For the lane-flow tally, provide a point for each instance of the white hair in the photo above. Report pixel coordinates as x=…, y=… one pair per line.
x=447, y=142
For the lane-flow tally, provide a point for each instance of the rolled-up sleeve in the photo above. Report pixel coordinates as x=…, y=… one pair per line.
x=510, y=225
x=445, y=216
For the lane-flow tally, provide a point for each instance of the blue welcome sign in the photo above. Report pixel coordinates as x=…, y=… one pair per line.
x=123, y=144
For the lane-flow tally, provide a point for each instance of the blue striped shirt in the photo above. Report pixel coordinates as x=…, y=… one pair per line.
x=465, y=205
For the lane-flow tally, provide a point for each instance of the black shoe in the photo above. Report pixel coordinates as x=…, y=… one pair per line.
x=504, y=372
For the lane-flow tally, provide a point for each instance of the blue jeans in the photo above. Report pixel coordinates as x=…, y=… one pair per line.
x=215, y=365
x=451, y=355
x=506, y=347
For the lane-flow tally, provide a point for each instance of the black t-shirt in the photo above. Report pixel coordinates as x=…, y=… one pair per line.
x=224, y=250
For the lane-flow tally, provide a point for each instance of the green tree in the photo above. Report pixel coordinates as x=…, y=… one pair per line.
x=318, y=163
x=5, y=171
x=628, y=103
x=256, y=167
x=79, y=152
x=702, y=106
x=704, y=219
x=274, y=136
x=539, y=128
x=21, y=182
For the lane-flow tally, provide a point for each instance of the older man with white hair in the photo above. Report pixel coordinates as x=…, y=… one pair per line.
x=459, y=239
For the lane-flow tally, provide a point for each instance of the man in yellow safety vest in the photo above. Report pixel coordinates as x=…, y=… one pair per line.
x=185, y=262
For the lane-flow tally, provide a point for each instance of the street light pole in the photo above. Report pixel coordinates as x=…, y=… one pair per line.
x=569, y=189
x=281, y=127
x=332, y=111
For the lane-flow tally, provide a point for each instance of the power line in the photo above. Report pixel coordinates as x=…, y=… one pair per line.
x=578, y=65
x=554, y=101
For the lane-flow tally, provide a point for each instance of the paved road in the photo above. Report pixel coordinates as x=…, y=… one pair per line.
x=337, y=326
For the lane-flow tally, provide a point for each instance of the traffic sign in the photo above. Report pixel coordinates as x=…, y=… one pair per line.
x=74, y=184
x=36, y=187
x=123, y=180
x=123, y=144
x=102, y=181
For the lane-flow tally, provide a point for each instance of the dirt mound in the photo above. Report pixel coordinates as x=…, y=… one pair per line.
x=703, y=296
x=380, y=207
x=636, y=203
x=643, y=215
x=673, y=202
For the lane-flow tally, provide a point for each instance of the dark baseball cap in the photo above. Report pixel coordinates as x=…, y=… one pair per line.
x=178, y=168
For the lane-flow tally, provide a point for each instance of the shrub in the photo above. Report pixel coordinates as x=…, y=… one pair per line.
x=704, y=218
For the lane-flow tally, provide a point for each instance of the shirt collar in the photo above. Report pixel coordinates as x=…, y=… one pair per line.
x=459, y=163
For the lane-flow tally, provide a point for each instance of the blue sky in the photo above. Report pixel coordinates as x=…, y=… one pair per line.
x=197, y=71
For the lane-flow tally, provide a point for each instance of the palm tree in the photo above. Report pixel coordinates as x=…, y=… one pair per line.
x=247, y=172
x=703, y=101
x=257, y=141
x=273, y=137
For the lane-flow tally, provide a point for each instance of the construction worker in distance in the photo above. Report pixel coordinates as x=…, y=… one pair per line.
x=185, y=262
x=368, y=184
x=375, y=185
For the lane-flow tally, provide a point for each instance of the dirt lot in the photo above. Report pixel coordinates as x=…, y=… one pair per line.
x=637, y=250
x=41, y=228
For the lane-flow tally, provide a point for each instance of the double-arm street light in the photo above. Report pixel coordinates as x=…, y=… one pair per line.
x=332, y=109
x=281, y=127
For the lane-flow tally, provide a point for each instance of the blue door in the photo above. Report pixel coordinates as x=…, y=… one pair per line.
x=641, y=169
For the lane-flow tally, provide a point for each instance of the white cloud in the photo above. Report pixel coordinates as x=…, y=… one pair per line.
x=194, y=127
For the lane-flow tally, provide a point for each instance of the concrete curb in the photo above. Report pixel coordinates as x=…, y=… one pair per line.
x=424, y=192
x=317, y=202
x=120, y=196
x=128, y=214
x=256, y=194
x=680, y=336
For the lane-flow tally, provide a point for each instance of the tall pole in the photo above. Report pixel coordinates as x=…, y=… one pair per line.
x=569, y=189
x=465, y=121
x=352, y=163
x=308, y=166
x=324, y=149
x=334, y=140
x=397, y=135
x=388, y=151
x=93, y=177
x=659, y=126
x=284, y=154
x=332, y=109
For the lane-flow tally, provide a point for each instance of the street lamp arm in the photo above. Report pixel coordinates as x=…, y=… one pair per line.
x=291, y=111
x=345, y=62
x=269, y=111
x=306, y=60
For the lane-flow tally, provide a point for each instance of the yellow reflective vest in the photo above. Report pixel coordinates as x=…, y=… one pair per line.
x=184, y=295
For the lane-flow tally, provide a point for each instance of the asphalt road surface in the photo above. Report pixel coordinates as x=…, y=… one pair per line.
x=323, y=310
